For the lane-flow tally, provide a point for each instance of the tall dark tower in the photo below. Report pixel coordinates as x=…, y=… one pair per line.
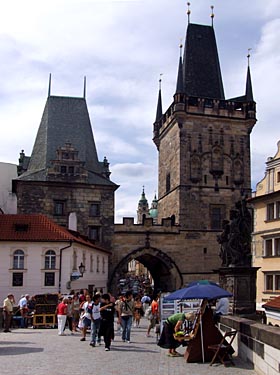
x=203, y=140
x=63, y=175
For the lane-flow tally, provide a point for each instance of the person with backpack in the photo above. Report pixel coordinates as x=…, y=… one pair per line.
x=126, y=314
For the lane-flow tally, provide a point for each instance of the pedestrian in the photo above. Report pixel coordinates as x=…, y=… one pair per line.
x=23, y=310
x=107, y=312
x=154, y=315
x=172, y=325
x=86, y=316
x=117, y=307
x=126, y=315
x=138, y=311
x=76, y=312
x=69, y=318
x=146, y=300
x=8, y=306
x=95, y=323
x=61, y=311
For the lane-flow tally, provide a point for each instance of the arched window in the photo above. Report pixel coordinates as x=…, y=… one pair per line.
x=50, y=259
x=18, y=261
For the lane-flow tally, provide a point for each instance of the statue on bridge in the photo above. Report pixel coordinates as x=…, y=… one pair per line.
x=235, y=240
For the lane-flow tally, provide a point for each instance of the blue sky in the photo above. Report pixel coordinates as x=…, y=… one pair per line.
x=122, y=47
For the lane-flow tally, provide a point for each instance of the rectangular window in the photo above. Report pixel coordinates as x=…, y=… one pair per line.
x=59, y=208
x=17, y=279
x=216, y=216
x=269, y=282
x=277, y=210
x=277, y=247
x=63, y=169
x=49, y=279
x=278, y=176
x=268, y=248
x=71, y=169
x=270, y=211
x=94, y=209
x=272, y=282
x=94, y=233
x=277, y=283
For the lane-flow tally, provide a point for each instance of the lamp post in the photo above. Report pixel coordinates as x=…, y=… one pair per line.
x=82, y=269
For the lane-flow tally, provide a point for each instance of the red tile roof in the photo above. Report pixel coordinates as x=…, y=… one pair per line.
x=273, y=304
x=37, y=227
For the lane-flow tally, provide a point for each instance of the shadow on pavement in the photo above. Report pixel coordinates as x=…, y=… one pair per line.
x=16, y=350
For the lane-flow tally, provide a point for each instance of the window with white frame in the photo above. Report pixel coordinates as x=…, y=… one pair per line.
x=50, y=259
x=18, y=260
x=272, y=282
x=272, y=247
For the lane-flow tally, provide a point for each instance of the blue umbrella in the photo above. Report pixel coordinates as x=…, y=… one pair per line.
x=199, y=291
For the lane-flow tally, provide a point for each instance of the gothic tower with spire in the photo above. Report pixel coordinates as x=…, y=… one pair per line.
x=203, y=140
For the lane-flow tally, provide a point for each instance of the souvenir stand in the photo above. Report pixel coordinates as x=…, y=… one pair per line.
x=44, y=314
x=170, y=307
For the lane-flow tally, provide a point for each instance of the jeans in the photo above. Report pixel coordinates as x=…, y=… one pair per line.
x=95, y=326
x=126, y=322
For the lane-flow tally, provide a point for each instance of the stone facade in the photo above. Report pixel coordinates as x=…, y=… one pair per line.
x=204, y=160
x=42, y=197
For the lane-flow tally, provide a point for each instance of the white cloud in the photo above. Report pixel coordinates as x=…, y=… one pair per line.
x=122, y=47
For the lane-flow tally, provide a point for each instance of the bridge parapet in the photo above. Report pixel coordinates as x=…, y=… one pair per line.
x=257, y=343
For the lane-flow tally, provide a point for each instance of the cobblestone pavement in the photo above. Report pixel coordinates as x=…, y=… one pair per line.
x=43, y=352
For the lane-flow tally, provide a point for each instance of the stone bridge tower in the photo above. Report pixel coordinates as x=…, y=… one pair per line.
x=203, y=140
x=203, y=143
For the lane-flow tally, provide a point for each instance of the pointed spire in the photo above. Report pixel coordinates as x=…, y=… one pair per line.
x=188, y=12
x=212, y=15
x=159, y=105
x=143, y=199
x=85, y=84
x=249, y=88
x=180, y=77
x=50, y=82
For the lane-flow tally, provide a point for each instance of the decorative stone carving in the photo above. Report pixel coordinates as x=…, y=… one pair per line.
x=235, y=240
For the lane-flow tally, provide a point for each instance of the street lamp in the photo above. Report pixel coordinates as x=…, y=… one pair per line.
x=82, y=269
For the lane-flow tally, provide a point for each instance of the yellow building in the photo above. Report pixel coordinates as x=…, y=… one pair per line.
x=266, y=232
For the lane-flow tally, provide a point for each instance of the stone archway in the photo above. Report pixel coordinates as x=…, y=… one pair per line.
x=164, y=271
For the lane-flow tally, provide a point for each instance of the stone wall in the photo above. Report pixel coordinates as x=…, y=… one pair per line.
x=39, y=197
x=256, y=343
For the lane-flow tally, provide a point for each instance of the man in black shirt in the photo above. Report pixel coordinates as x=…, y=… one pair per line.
x=107, y=312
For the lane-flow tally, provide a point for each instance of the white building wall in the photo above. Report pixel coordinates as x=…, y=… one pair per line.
x=34, y=271
x=8, y=201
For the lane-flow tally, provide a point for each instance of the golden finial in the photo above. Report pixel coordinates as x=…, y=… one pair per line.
x=249, y=55
x=212, y=14
x=188, y=11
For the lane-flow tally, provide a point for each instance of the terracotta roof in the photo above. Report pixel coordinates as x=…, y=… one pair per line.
x=37, y=227
x=273, y=304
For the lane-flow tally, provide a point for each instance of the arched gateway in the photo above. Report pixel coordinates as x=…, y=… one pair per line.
x=164, y=271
